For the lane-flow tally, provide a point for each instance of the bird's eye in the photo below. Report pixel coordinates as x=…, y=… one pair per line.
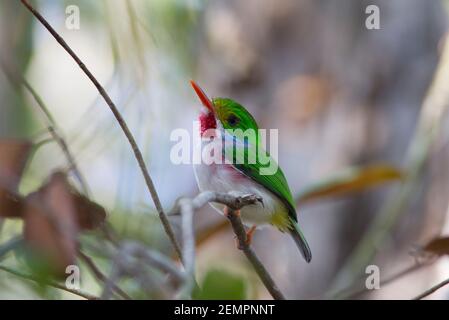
x=233, y=120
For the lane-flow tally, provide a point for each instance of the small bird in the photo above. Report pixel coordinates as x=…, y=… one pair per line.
x=219, y=121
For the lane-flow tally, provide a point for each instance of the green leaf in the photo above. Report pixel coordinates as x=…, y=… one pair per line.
x=221, y=285
x=349, y=181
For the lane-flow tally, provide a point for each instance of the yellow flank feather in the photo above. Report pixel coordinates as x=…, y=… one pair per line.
x=281, y=220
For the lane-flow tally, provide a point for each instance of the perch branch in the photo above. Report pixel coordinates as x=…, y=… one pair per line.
x=263, y=274
x=187, y=207
x=121, y=122
x=48, y=283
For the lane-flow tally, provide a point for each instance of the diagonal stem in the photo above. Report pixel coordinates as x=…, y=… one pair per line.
x=432, y=290
x=263, y=274
x=48, y=283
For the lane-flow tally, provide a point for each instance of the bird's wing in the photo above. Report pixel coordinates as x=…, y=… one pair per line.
x=275, y=182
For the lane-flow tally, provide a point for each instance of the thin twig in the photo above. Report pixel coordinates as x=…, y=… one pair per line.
x=233, y=203
x=121, y=122
x=432, y=290
x=49, y=283
x=100, y=276
x=131, y=260
x=114, y=276
x=188, y=244
x=239, y=230
x=354, y=291
x=10, y=245
x=154, y=258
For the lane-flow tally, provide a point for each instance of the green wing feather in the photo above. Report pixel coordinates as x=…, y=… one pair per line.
x=275, y=183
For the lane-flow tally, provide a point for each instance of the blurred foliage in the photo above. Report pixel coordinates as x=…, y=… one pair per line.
x=141, y=226
x=92, y=11
x=350, y=180
x=220, y=284
x=17, y=51
x=173, y=24
x=438, y=246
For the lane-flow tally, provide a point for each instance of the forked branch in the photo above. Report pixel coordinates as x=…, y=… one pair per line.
x=187, y=208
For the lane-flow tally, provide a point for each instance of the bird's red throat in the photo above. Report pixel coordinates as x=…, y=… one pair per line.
x=207, y=122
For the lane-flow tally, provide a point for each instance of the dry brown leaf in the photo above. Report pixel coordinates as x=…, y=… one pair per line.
x=438, y=246
x=54, y=216
x=11, y=206
x=51, y=227
x=351, y=180
x=13, y=157
x=90, y=215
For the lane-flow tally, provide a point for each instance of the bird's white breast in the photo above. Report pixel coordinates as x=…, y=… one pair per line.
x=225, y=178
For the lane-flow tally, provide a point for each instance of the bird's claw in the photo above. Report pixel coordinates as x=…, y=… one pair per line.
x=251, y=198
x=249, y=235
x=248, y=240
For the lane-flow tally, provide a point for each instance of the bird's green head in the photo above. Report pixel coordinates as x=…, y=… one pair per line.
x=230, y=114
x=233, y=115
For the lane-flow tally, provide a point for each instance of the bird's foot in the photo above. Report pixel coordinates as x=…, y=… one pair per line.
x=248, y=241
x=249, y=235
x=226, y=212
x=253, y=199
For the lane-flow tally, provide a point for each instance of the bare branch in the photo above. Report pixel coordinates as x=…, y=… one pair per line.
x=131, y=261
x=263, y=274
x=10, y=245
x=154, y=258
x=187, y=207
x=49, y=283
x=227, y=199
x=354, y=291
x=114, y=276
x=100, y=276
x=188, y=244
x=121, y=122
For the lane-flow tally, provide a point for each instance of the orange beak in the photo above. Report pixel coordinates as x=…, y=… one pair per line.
x=203, y=97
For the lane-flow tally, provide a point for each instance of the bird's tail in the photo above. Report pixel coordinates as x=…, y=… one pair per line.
x=300, y=241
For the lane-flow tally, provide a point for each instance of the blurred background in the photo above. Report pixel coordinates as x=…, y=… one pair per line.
x=363, y=132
